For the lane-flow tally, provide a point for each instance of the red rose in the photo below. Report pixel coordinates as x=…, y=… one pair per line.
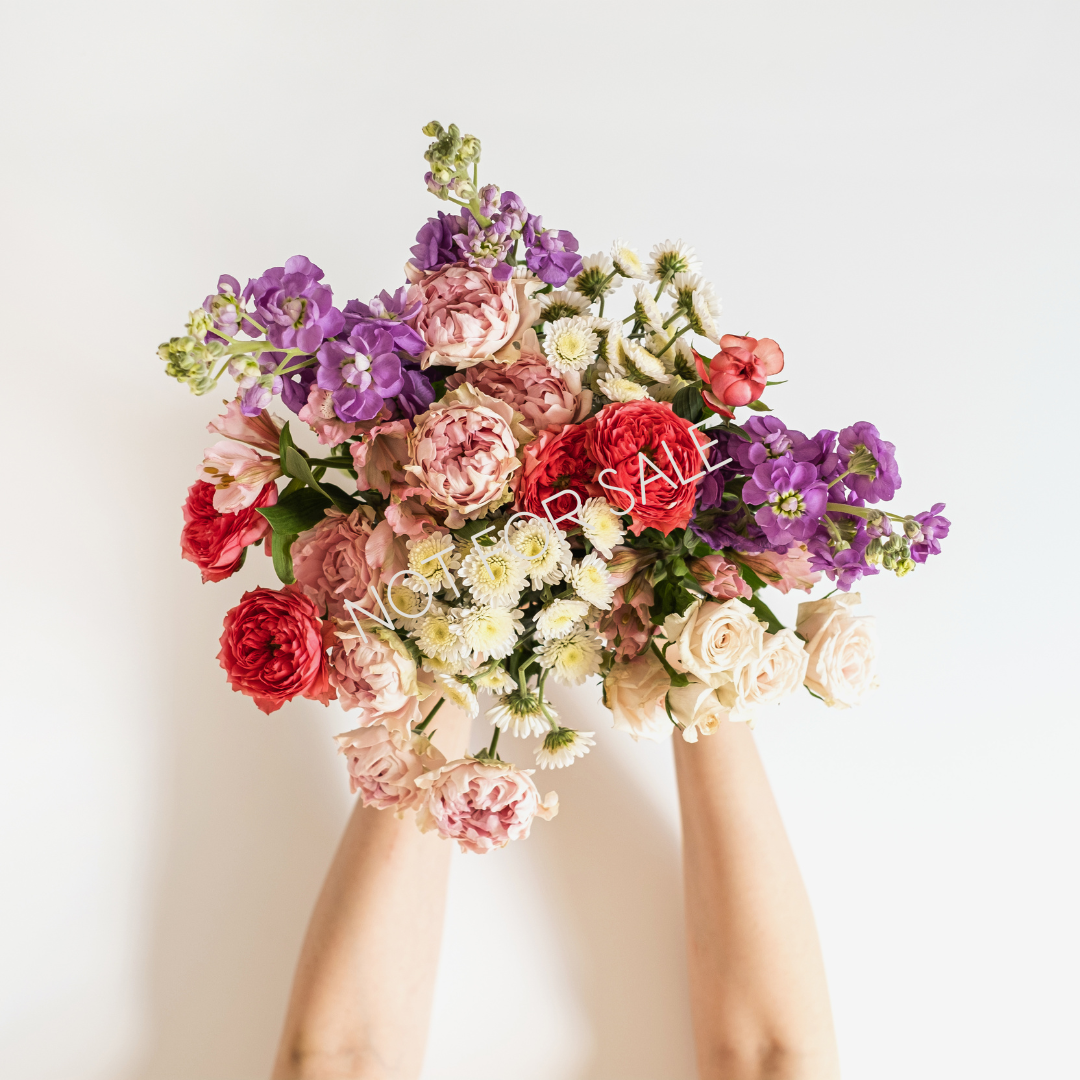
x=557, y=460
x=622, y=432
x=739, y=371
x=215, y=542
x=274, y=648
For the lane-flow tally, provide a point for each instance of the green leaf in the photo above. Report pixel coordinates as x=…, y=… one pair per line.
x=284, y=444
x=750, y=577
x=297, y=512
x=776, y=382
x=687, y=403
x=281, y=547
x=298, y=467
x=677, y=677
x=759, y=406
x=761, y=610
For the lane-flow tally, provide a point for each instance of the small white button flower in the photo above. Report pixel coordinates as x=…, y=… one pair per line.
x=627, y=261
x=696, y=301
x=619, y=389
x=495, y=577
x=670, y=258
x=563, y=747
x=560, y=618
x=522, y=714
x=597, y=278
x=646, y=309
x=562, y=304
x=571, y=659
x=571, y=344
x=591, y=581
x=544, y=549
x=432, y=557
x=439, y=635
x=491, y=630
x=458, y=693
x=601, y=525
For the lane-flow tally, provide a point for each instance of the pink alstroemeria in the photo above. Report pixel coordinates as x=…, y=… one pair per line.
x=262, y=431
x=238, y=473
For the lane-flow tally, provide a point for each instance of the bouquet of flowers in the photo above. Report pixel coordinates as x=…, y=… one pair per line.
x=521, y=480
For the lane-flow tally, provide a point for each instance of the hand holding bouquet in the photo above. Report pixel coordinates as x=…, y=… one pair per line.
x=523, y=479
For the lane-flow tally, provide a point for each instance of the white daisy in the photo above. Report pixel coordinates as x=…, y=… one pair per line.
x=560, y=618
x=601, y=525
x=646, y=309
x=642, y=365
x=572, y=659
x=615, y=388
x=495, y=575
x=592, y=581
x=498, y=679
x=627, y=261
x=491, y=630
x=562, y=304
x=603, y=329
x=404, y=599
x=695, y=299
x=597, y=277
x=439, y=635
x=460, y=694
x=670, y=258
x=571, y=344
x=545, y=551
x=521, y=714
x=432, y=557
x=563, y=747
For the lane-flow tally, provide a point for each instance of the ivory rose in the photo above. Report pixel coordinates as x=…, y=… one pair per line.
x=842, y=649
x=376, y=677
x=238, y=473
x=776, y=673
x=698, y=708
x=714, y=641
x=784, y=570
x=481, y=805
x=634, y=692
x=463, y=451
x=467, y=316
x=385, y=768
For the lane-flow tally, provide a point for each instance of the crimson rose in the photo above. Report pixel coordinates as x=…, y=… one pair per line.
x=215, y=542
x=557, y=460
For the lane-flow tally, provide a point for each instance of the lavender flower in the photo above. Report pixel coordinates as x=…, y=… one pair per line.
x=295, y=388
x=227, y=310
x=870, y=462
x=550, y=254
x=791, y=496
x=845, y=567
x=932, y=530
x=434, y=247
x=486, y=248
x=390, y=312
x=770, y=438
x=361, y=373
x=293, y=304
x=416, y=394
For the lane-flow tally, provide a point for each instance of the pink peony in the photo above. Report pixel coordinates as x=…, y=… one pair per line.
x=719, y=577
x=786, y=570
x=384, y=769
x=482, y=805
x=528, y=385
x=377, y=677
x=463, y=451
x=215, y=542
x=342, y=556
x=238, y=473
x=381, y=455
x=468, y=316
x=318, y=413
x=262, y=431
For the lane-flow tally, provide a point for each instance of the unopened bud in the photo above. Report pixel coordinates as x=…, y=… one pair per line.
x=470, y=149
x=912, y=529
x=875, y=552
x=904, y=566
x=432, y=130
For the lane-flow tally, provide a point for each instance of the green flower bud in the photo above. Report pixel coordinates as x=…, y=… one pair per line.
x=433, y=130
x=199, y=324
x=470, y=149
x=875, y=552
x=904, y=566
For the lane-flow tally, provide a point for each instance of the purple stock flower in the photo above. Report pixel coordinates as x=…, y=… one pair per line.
x=360, y=373
x=711, y=491
x=770, y=438
x=791, y=496
x=434, y=247
x=294, y=305
x=256, y=398
x=843, y=567
x=870, y=462
x=552, y=254
x=390, y=312
x=486, y=247
x=227, y=310
x=416, y=394
x=934, y=529
x=295, y=388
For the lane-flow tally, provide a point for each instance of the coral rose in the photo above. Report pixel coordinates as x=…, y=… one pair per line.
x=384, y=769
x=557, y=461
x=842, y=649
x=635, y=693
x=272, y=649
x=463, y=451
x=467, y=316
x=377, y=677
x=215, y=542
x=629, y=438
x=738, y=372
x=482, y=805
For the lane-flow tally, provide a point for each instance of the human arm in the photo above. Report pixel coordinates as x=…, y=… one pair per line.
x=759, y=999
x=361, y=996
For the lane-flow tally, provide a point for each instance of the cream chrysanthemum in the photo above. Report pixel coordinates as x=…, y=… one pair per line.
x=627, y=261
x=572, y=659
x=439, y=635
x=696, y=301
x=617, y=388
x=491, y=630
x=641, y=365
x=545, y=551
x=601, y=525
x=522, y=714
x=591, y=581
x=427, y=557
x=495, y=575
x=670, y=258
x=460, y=694
x=559, y=618
x=403, y=599
x=563, y=304
x=498, y=679
x=646, y=309
x=571, y=344
x=597, y=277
x=563, y=747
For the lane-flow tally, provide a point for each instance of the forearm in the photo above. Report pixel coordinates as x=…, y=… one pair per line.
x=361, y=997
x=758, y=993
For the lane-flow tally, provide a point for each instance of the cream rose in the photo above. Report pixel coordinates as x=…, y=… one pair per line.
x=714, y=641
x=842, y=649
x=697, y=707
x=634, y=692
x=775, y=674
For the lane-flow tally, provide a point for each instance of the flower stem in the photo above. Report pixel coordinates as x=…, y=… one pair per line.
x=676, y=336
x=422, y=726
x=494, y=743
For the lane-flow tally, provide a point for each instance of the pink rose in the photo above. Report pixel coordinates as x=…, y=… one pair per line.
x=463, y=451
x=384, y=769
x=719, y=577
x=343, y=556
x=381, y=455
x=319, y=415
x=376, y=677
x=528, y=385
x=468, y=316
x=262, y=431
x=238, y=473
x=481, y=805
x=738, y=372
x=786, y=570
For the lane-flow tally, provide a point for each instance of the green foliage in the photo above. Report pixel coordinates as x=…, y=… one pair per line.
x=293, y=514
x=759, y=406
x=688, y=404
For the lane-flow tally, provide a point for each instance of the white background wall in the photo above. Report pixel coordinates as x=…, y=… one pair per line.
x=888, y=190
